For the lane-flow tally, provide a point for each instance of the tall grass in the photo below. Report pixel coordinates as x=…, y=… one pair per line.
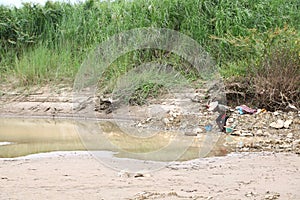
x=43, y=65
x=47, y=43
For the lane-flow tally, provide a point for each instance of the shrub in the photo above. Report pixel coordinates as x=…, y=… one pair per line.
x=268, y=75
x=277, y=80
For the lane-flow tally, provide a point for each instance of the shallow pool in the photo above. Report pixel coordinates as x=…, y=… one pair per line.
x=20, y=137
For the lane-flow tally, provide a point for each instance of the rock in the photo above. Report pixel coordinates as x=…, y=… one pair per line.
x=245, y=149
x=198, y=98
x=172, y=113
x=257, y=146
x=276, y=113
x=213, y=106
x=278, y=125
x=124, y=174
x=139, y=125
x=287, y=123
x=198, y=130
x=278, y=141
x=296, y=143
x=269, y=196
x=230, y=120
x=246, y=134
x=166, y=121
x=149, y=119
x=267, y=134
x=104, y=104
x=190, y=134
x=290, y=135
x=259, y=133
x=138, y=174
x=250, y=194
x=285, y=146
x=175, y=115
x=236, y=133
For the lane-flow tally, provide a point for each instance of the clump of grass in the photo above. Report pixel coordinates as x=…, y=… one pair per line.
x=42, y=65
x=148, y=81
x=145, y=91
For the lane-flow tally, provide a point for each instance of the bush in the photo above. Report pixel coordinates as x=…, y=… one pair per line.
x=277, y=81
x=271, y=79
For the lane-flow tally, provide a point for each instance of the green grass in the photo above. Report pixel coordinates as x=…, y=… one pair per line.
x=148, y=80
x=43, y=65
x=42, y=44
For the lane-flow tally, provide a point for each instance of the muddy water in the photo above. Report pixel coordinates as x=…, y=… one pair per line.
x=20, y=137
x=30, y=136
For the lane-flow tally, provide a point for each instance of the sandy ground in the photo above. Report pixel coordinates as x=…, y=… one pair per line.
x=78, y=175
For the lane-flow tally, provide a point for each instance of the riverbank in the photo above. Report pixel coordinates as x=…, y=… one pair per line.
x=78, y=175
x=252, y=132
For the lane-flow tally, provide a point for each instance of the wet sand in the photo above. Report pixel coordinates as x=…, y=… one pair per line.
x=78, y=175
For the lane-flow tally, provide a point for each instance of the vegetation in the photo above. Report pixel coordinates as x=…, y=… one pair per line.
x=42, y=44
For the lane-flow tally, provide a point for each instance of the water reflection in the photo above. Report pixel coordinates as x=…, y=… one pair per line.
x=29, y=136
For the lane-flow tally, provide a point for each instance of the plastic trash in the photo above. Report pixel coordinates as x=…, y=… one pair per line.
x=208, y=127
x=229, y=130
x=240, y=110
x=243, y=109
x=261, y=111
x=240, y=144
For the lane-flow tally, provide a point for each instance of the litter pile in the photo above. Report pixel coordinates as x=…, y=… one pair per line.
x=245, y=129
x=263, y=130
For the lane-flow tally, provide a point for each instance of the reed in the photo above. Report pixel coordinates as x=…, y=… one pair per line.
x=40, y=44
